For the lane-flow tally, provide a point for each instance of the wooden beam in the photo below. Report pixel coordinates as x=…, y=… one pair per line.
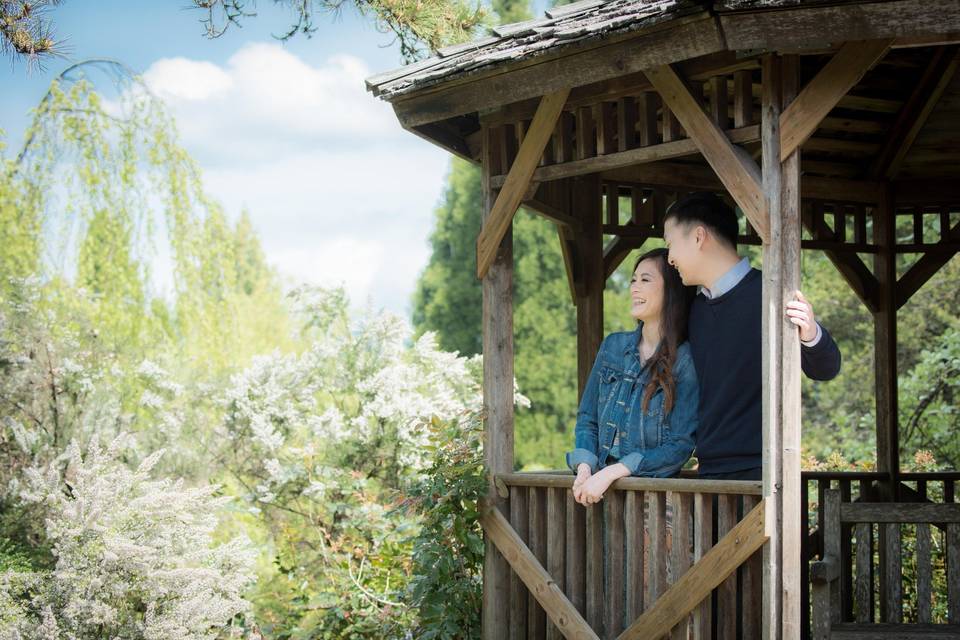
x=817, y=27
x=685, y=594
x=851, y=267
x=736, y=170
x=802, y=117
x=692, y=176
x=540, y=583
x=497, y=326
x=518, y=179
x=680, y=39
x=925, y=96
x=640, y=155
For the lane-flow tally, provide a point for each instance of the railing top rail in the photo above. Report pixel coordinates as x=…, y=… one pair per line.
x=879, y=475
x=679, y=485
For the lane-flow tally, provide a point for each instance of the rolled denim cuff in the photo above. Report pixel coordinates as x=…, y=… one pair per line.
x=632, y=462
x=582, y=456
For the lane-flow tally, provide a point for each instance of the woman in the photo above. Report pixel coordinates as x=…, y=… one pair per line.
x=638, y=413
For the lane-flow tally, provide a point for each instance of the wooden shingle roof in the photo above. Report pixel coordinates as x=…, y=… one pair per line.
x=562, y=26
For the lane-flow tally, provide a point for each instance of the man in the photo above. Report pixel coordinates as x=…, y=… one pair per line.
x=700, y=231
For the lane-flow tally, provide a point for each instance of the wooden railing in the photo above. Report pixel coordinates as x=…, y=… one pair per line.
x=890, y=519
x=655, y=558
x=887, y=578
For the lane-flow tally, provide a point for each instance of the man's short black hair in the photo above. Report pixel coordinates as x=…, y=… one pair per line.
x=706, y=208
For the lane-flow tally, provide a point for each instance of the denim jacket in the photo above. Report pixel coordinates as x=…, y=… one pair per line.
x=651, y=443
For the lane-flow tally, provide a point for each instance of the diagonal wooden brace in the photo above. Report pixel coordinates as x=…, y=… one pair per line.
x=562, y=613
x=685, y=595
x=736, y=170
x=799, y=120
x=518, y=179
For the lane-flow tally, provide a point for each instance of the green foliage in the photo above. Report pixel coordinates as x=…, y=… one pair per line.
x=446, y=586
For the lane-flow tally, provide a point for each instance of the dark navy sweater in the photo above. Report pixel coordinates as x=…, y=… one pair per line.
x=725, y=341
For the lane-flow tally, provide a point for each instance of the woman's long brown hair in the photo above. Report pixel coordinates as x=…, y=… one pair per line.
x=673, y=329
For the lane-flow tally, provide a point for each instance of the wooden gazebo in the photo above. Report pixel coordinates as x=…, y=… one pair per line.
x=825, y=122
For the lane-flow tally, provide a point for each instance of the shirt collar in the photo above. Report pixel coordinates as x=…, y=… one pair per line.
x=728, y=280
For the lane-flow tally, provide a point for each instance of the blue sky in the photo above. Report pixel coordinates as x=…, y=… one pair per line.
x=337, y=190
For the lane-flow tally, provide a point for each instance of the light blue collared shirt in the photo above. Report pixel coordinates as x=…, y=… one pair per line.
x=732, y=278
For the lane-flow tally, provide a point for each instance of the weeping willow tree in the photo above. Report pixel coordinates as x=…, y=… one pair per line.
x=103, y=200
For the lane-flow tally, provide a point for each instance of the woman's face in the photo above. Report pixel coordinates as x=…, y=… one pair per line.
x=646, y=291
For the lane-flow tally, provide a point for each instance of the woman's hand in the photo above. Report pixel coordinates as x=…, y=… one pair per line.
x=592, y=490
x=583, y=474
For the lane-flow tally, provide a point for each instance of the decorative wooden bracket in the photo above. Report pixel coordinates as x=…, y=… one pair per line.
x=736, y=170
x=518, y=179
x=802, y=117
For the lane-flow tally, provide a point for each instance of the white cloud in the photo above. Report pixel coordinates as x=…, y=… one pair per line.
x=338, y=191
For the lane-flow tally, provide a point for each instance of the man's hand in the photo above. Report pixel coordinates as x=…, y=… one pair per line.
x=800, y=313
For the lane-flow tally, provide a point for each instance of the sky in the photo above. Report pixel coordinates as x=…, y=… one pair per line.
x=339, y=193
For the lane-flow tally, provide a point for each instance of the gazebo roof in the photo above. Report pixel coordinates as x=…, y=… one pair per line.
x=576, y=23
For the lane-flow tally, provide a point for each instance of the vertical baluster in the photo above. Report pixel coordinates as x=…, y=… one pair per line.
x=860, y=227
x=953, y=559
x=702, y=542
x=742, y=98
x=563, y=138
x=918, y=226
x=953, y=573
x=839, y=223
x=846, y=557
x=924, y=566
x=753, y=583
x=944, y=224
x=806, y=556
x=595, y=567
x=612, y=192
x=576, y=553
x=634, y=539
x=518, y=591
x=864, y=580
x=626, y=123
x=892, y=602
x=822, y=486
x=671, y=126
x=718, y=101
x=615, y=589
x=586, y=142
x=647, y=119
x=727, y=591
x=556, y=537
x=536, y=616
x=680, y=550
x=606, y=128
x=508, y=147
x=656, y=560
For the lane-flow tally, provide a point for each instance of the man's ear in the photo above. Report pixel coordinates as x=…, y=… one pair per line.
x=699, y=235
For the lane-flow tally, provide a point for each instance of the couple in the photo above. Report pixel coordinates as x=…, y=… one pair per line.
x=690, y=374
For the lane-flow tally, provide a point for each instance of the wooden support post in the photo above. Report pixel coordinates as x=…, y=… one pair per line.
x=497, y=321
x=587, y=205
x=781, y=358
x=885, y=341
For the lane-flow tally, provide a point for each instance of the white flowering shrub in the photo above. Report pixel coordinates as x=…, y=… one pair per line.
x=134, y=557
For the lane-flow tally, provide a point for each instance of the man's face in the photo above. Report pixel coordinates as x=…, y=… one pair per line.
x=683, y=248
